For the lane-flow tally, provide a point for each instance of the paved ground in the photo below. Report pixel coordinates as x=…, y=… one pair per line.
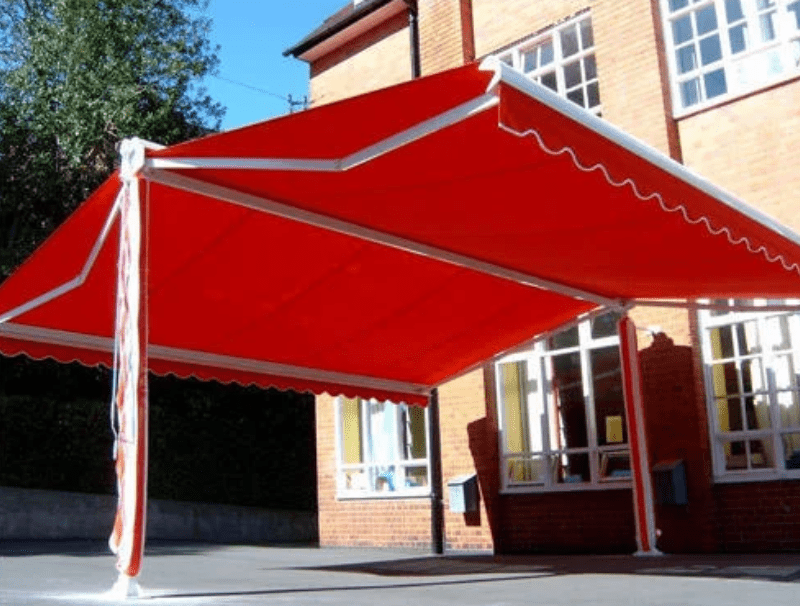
x=186, y=573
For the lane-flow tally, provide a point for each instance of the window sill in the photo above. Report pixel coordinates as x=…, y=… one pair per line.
x=520, y=490
x=382, y=496
x=765, y=476
x=728, y=98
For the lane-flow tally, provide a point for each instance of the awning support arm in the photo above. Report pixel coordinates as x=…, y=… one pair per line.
x=643, y=506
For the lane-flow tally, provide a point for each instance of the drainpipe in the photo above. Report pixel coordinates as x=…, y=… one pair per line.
x=435, y=453
x=413, y=31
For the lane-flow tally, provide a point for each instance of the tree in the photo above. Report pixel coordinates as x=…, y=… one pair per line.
x=77, y=76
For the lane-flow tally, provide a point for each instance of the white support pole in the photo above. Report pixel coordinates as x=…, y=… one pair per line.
x=643, y=507
x=130, y=390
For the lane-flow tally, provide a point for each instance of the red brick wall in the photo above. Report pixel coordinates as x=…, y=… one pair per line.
x=376, y=59
x=599, y=521
x=362, y=522
x=758, y=517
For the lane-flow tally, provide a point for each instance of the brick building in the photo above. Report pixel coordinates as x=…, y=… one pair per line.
x=712, y=83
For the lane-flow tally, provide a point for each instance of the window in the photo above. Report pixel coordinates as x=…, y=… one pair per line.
x=752, y=371
x=562, y=413
x=382, y=449
x=562, y=60
x=720, y=48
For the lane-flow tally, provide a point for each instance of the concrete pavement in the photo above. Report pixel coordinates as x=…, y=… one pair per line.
x=33, y=573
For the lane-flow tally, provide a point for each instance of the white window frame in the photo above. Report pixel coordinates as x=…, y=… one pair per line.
x=708, y=321
x=537, y=363
x=515, y=56
x=370, y=470
x=785, y=46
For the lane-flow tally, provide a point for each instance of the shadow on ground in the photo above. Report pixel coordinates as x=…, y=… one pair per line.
x=765, y=567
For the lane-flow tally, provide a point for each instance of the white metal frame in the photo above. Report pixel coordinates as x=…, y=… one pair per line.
x=786, y=37
x=159, y=170
x=400, y=492
x=769, y=390
x=537, y=365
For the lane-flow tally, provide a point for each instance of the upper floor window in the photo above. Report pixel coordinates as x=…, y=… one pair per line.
x=721, y=48
x=382, y=449
x=561, y=59
x=562, y=412
x=752, y=375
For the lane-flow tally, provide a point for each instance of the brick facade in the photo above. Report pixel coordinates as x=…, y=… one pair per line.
x=744, y=145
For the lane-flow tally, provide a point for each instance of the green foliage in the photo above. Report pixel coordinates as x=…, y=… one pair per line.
x=77, y=76
x=208, y=442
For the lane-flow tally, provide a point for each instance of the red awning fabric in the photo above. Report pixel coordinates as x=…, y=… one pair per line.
x=381, y=245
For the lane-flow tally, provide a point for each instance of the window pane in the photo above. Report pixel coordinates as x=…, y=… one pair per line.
x=784, y=372
x=615, y=465
x=778, y=333
x=571, y=468
x=590, y=67
x=514, y=403
x=682, y=29
x=761, y=454
x=593, y=95
x=748, y=338
x=416, y=476
x=729, y=414
x=546, y=54
x=721, y=342
x=572, y=74
x=789, y=409
x=726, y=379
x=739, y=39
x=690, y=92
x=753, y=376
x=529, y=62
x=766, y=27
x=733, y=10
x=570, y=407
x=569, y=41
x=605, y=325
x=414, y=438
x=715, y=84
x=526, y=469
x=609, y=404
x=549, y=80
x=687, y=59
x=757, y=410
x=794, y=8
x=587, y=36
x=710, y=50
x=565, y=338
x=352, y=451
x=791, y=450
x=675, y=5
x=507, y=59
x=735, y=455
x=576, y=96
x=706, y=20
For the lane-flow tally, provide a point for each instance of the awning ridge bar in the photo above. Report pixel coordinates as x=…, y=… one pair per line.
x=519, y=81
x=75, y=282
x=172, y=354
x=431, y=125
x=372, y=235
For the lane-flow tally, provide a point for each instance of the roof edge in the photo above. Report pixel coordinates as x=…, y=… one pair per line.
x=324, y=32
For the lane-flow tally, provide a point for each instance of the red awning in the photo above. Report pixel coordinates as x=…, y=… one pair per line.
x=386, y=243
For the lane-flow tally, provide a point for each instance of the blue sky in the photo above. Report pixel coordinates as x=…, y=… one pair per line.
x=253, y=35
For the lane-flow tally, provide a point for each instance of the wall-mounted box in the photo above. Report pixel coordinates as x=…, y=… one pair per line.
x=463, y=493
x=669, y=482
